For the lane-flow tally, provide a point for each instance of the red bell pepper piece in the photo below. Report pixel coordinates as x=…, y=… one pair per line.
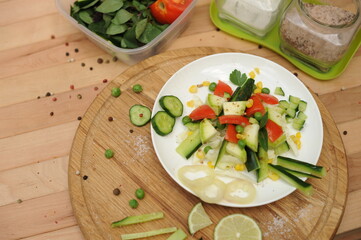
x=233, y=119
x=267, y=98
x=222, y=88
x=231, y=134
x=202, y=112
x=256, y=107
x=167, y=11
x=274, y=130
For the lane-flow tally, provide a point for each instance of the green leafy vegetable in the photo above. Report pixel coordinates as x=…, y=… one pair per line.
x=114, y=29
x=237, y=78
x=85, y=16
x=108, y=6
x=122, y=17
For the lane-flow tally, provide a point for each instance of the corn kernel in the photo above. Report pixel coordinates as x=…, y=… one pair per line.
x=190, y=103
x=252, y=74
x=293, y=137
x=249, y=103
x=298, y=145
x=200, y=154
x=259, y=85
x=298, y=135
x=210, y=164
x=257, y=70
x=193, y=89
x=206, y=83
x=273, y=176
x=239, y=167
x=189, y=133
x=240, y=136
x=257, y=90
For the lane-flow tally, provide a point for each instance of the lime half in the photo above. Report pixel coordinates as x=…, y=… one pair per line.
x=237, y=227
x=198, y=219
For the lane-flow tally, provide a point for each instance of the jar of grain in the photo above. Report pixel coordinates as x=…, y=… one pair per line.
x=254, y=16
x=319, y=32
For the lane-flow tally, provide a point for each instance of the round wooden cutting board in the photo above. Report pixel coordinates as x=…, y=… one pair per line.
x=135, y=165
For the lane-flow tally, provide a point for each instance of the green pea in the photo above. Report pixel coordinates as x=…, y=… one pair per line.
x=265, y=90
x=212, y=86
x=239, y=129
x=133, y=203
x=139, y=193
x=109, y=153
x=206, y=149
x=116, y=92
x=258, y=116
x=137, y=88
x=186, y=119
x=241, y=144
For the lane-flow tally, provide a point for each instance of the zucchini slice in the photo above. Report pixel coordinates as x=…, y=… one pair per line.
x=163, y=123
x=139, y=115
x=172, y=105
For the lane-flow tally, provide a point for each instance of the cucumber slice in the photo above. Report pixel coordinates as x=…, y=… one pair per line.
x=234, y=150
x=291, y=112
x=178, y=235
x=293, y=99
x=131, y=236
x=138, y=219
x=207, y=131
x=283, y=104
x=278, y=142
x=293, y=106
x=279, y=91
x=251, y=133
x=172, y=105
x=275, y=114
x=301, y=115
x=139, y=115
x=282, y=148
x=304, y=187
x=192, y=126
x=216, y=103
x=234, y=108
x=297, y=124
x=252, y=162
x=302, y=106
x=190, y=145
x=300, y=166
x=163, y=123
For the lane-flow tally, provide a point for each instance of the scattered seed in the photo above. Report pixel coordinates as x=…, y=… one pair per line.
x=71, y=60
x=51, y=113
x=100, y=60
x=79, y=118
x=79, y=96
x=296, y=74
x=76, y=50
x=66, y=44
x=96, y=88
x=54, y=99
x=344, y=132
x=217, y=29
x=77, y=172
x=110, y=119
x=38, y=97
x=83, y=64
x=343, y=89
x=85, y=177
x=91, y=68
x=47, y=94
x=52, y=37
x=260, y=46
x=72, y=87
x=116, y=191
x=19, y=201
x=105, y=80
x=131, y=130
x=115, y=59
x=107, y=61
x=67, y=54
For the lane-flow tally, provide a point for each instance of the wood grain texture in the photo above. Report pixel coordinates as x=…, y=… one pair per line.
x=96, y=207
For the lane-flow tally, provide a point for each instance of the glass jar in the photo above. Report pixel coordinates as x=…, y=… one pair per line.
x=319, y=34
x=255, y=16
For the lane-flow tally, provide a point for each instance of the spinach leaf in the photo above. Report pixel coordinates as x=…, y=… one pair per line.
x=98, y=27
x=86, y=16
x=149, y=33
x=122, y=17
x=90, y=4
x=114, y=29
x=74, y=9
x=237, y=78
x=140, y=7
x=83, y=3
x=140, y=27
x=109, y=6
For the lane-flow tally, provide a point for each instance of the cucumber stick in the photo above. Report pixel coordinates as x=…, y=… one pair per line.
x=178, y=235
x=156, y=232
x=138, y=219
x=190, y=144
x=300, y=166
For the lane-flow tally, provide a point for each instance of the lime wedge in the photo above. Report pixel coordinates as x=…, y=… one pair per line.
x=198, y=218
x=237, y=227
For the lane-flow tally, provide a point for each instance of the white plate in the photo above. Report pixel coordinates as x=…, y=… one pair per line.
x=218, y=67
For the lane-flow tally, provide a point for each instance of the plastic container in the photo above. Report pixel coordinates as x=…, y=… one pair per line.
x=255, y=16
x=132, y=56
x=319, y=34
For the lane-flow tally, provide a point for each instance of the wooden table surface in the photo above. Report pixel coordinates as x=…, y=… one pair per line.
x=37, y=130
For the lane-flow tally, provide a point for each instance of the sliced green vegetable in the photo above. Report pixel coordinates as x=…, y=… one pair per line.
x=139, y=115
x=172, y=105
x=298, y=165
x=131, y=236
x=108, y=6
x=163, y=123
x=189, y=145
x=121, y=17
x=252, y=162
x=279, y=91
x=178, y=235
x=138, y=219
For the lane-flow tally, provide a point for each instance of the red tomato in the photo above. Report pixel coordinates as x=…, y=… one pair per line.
x=267, y=98
x=231, y=134
x=202, y=112
x=222, y=88
x=233, y=119
x=256, y=107
x=167, y=11
x=274, y=130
